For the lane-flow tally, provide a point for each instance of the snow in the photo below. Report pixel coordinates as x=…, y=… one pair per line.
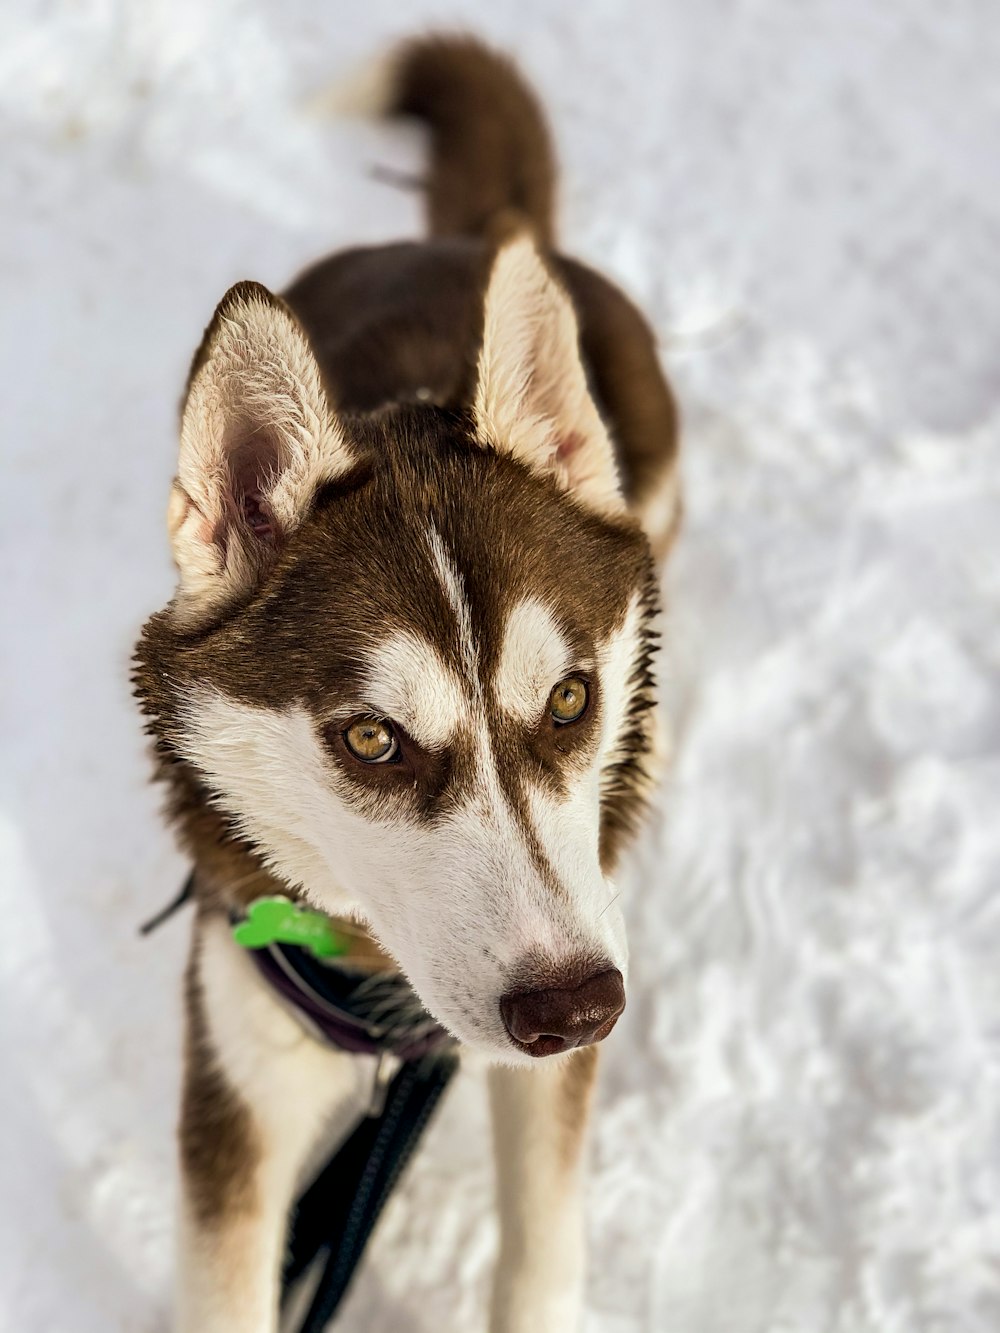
x=800, y=1111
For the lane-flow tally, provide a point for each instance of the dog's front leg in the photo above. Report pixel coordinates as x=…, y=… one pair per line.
x=258, y=1091
x=539, y=1123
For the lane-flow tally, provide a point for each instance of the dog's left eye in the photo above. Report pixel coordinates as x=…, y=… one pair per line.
x=568, y=701
x=371, y=740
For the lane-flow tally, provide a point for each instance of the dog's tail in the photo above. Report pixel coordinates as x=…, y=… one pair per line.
x=491, y=154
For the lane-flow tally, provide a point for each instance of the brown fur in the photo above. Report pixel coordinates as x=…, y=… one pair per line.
x=490, y=146
x=218, y=1141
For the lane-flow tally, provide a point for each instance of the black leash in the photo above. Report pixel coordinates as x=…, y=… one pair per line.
x=335, y=1215
x=175, y=904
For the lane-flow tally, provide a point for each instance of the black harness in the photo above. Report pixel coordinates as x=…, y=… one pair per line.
x=376, y=1015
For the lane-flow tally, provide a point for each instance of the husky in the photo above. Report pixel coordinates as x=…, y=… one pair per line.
x=406, y=678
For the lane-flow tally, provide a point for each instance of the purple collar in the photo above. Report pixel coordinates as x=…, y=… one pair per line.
x=353, y=1011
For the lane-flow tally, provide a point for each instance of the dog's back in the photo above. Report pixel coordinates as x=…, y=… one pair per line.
x=403, y=322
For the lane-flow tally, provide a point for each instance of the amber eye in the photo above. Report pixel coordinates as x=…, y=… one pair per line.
x=568, y=701
x=371, y=740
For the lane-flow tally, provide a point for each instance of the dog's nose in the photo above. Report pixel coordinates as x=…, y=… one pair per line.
x=545, y=1022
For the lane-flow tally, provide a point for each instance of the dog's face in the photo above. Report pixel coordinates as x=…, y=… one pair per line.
x=412, y=657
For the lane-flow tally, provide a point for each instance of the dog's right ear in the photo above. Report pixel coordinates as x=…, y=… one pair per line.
x=258, y=436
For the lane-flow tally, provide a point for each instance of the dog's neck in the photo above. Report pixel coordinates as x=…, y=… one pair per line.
x=229, y=875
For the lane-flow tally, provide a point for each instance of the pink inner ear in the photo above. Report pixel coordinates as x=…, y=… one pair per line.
x=568, y=446
x=258, y=516
x=254, y=463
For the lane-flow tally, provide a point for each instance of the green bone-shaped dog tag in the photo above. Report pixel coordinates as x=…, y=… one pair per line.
x=278, y=920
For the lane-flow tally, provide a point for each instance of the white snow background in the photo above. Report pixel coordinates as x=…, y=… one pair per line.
x=799, y=1126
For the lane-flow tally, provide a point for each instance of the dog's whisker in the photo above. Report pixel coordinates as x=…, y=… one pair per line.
x=609, y=905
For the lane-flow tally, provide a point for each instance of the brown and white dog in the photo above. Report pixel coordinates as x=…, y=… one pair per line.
x=406, y=677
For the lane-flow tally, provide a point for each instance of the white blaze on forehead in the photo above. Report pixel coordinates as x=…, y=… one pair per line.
x=409, y=681
x=453, y=586
x=534, y=657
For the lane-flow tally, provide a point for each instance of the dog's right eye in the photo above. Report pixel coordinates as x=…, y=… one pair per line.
x=371, y=740
x=568, y=701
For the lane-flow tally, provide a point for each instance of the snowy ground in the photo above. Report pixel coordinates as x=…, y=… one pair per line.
x=800, y=1123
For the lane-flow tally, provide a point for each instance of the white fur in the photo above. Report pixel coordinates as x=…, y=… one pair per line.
x=538, y=1284
x=268, y=771
x=409, y=682
x=295, y=1089
x=266, y=1054
x=366, y=91
x=453, y=585
x=531, y=394
x=661, y=513
x=617, y=656
x=534, y=657
x=258, y=375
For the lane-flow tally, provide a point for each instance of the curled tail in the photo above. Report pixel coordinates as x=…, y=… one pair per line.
x=491, y=153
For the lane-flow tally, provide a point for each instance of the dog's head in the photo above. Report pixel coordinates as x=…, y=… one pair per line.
x=408, y=656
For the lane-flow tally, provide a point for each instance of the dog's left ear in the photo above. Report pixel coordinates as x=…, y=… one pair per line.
x=532, y=399
x=258, y=437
